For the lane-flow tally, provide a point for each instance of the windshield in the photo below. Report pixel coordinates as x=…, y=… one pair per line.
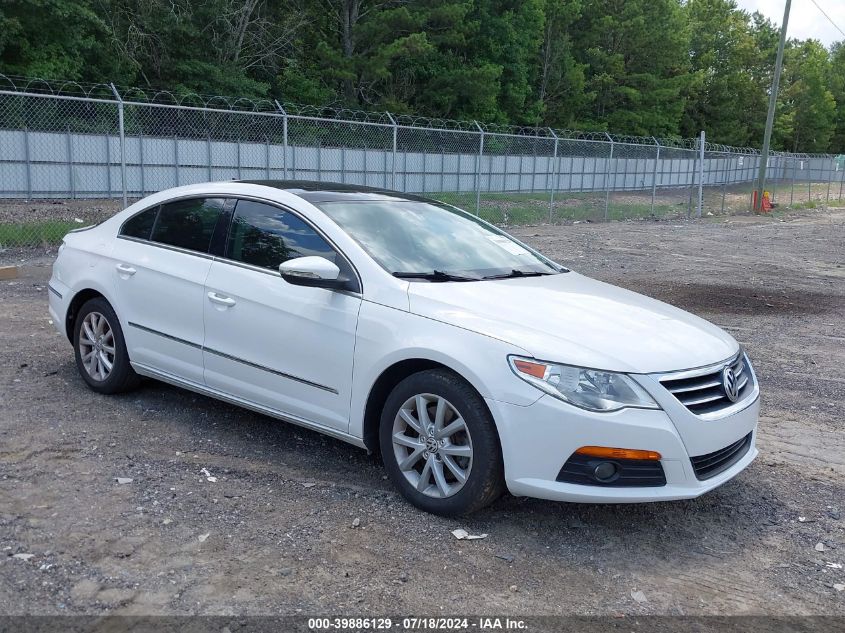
x=434, y=242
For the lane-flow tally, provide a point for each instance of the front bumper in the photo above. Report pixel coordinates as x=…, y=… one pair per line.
x=539, y=438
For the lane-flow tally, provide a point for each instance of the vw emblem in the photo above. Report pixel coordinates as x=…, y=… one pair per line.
x=730, y=384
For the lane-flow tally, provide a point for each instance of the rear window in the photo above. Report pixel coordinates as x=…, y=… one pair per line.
x=141, y=225
x=188, y=224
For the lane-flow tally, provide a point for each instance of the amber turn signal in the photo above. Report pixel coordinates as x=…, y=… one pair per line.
x=618, y=453
x=537, y=370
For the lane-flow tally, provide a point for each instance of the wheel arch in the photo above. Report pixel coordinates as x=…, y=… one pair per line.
x=79, y=298
x=385, y=383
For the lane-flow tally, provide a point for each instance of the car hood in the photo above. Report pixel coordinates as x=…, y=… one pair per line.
x=569, y=318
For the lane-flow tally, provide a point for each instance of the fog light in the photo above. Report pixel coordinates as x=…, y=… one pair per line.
x=605, y=471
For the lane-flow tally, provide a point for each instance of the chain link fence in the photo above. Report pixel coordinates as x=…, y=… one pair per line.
x=74, y=154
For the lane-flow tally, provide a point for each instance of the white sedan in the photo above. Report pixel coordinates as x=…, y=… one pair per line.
x=471, y=362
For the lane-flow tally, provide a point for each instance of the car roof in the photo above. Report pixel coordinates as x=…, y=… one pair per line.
x=315, y=192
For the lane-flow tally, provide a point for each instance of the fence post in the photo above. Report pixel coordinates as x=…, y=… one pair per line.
x=141, y=161
x=792, y=190
x=829, y=182
x=393, y=160
x=267, y=155
x=478, y=169
x=122, y=140
x=841, y=179
x=208, y=155
x=809, y=180
x=555, y=170
x=606, y=184
x=28, y=163
x=654, y=174
x=108, y=164
x=284, y=134
x=700, y=173
x=70, y=164
x=176, y=160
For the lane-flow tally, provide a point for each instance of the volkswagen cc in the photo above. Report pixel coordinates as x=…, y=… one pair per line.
x=471, y=362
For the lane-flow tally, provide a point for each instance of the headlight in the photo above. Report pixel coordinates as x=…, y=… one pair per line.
x=589, y=389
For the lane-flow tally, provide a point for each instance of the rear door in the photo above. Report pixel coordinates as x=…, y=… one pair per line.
x=161, y=263
x=285, y=347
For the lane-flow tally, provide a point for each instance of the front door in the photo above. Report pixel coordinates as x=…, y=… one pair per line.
x=281, y=346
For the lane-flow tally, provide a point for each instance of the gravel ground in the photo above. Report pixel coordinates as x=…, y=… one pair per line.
x=300, y=523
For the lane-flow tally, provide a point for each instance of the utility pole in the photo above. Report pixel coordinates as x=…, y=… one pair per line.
x=773, y=99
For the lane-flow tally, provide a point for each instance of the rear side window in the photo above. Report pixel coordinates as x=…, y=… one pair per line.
x=188, y=223
x=140, y=225
x=266, y=236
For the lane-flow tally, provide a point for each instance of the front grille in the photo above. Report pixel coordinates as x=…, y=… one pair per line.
x=578, y=469
x=704, y=393
x=710, y=465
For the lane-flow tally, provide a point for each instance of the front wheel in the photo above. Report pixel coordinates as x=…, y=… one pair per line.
x=439, y=444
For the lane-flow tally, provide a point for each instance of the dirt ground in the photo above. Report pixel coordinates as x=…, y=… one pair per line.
x=274, y=534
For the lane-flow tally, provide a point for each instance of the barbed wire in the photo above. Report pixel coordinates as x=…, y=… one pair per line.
x=341, y=114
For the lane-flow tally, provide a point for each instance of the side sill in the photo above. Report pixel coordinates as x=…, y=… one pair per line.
x=145, y=370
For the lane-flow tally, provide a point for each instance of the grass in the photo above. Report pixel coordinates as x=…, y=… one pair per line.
x=29, y=234
x=533, y=208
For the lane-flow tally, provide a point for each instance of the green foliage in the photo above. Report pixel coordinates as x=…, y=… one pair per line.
x=729, y=62
x=836, y=82
x=650, y=67
x=808, y=101
x=635, y=51
x=34, y=233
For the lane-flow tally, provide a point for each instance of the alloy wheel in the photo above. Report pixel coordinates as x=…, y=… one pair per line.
x=96, y=346
x=432, y=445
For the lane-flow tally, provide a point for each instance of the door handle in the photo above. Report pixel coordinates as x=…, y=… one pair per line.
x=123, y=269
x=221, y=300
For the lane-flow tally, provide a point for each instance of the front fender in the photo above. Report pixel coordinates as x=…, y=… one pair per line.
x=387, y=336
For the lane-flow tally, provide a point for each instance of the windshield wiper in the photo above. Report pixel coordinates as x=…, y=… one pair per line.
x=435, y=275
x=518, y=273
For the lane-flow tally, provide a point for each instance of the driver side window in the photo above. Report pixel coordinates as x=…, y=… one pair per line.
x=266, y=236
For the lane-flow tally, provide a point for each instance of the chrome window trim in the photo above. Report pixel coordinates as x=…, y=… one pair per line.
x=177, y=249
x=187, y=196
x=235, y=262
x=248, y=363
x=734, y=408
x=294, y=212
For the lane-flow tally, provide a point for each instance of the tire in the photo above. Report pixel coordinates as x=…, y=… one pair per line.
x=97, y=318
x=426, y=467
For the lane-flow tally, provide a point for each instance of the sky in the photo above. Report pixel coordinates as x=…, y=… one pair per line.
x=805, y=20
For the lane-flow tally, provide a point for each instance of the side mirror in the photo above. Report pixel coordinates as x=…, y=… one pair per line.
x=313, y=271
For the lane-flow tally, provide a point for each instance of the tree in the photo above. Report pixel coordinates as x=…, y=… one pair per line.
x=230, y=47
x=637, y=64
x=561, y=82
x=728, y=88
x=54, y=39
x=807, y=98
x=836, y=81
x=649, y=67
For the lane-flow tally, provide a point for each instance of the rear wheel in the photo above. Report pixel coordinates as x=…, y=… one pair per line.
x=100, y=349
x=439, y=444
